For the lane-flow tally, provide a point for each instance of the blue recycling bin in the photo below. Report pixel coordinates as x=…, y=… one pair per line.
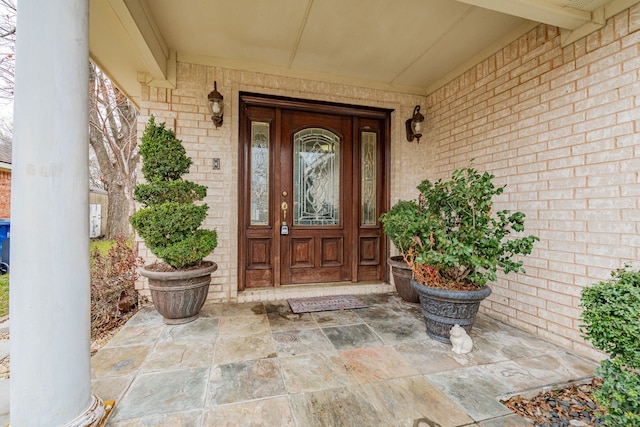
x=5, y=234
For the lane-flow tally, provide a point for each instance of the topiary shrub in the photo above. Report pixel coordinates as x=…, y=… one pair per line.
x=169, y=220
x=612, y=324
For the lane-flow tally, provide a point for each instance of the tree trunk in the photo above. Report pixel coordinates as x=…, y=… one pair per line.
x=118, y=211
x=113, y=137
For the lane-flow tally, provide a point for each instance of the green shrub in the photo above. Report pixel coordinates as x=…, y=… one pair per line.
x=611, y=318
x=169, y=220
x=401, y=223
x=451, y=235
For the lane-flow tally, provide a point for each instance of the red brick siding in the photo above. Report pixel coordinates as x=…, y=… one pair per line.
x=5, y=194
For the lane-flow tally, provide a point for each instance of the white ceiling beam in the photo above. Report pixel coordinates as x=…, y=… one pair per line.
x=536, y=10
x=145, y=36
x=598, y=20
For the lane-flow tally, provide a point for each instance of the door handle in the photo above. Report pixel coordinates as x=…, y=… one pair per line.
x=284, y=228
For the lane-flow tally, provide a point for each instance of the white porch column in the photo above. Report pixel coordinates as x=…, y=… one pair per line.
x=50, y=296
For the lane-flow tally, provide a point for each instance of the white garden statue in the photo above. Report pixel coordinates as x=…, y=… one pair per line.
x=460, y=341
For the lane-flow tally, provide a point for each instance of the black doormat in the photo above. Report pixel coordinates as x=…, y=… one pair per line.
x=336, y=302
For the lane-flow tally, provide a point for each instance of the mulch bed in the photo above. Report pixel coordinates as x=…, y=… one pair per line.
x=571, y=406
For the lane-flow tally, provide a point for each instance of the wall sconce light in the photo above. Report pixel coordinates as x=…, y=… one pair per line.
x=216, y=105
x=415, y=125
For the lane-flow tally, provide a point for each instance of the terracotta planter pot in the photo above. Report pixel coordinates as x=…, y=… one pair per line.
x=402, y=279
x=179, y=295
x=443, y=308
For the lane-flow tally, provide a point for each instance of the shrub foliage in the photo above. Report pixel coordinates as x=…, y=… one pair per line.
x=452, y=232
x=611, y=318
x=169, y=221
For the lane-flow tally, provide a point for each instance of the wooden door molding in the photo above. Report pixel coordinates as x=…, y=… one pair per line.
x=260, y=248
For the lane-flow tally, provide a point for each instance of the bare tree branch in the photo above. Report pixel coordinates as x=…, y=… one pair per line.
x=113, y=137
x=7, y=48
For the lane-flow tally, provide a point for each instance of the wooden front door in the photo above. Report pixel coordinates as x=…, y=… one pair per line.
x=313, y=184
x=315, y=187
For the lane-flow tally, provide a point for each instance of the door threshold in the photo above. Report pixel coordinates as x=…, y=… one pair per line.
x=315, y=290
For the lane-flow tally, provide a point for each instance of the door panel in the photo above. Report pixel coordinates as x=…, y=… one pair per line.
x=319, y=168
x=313, y=175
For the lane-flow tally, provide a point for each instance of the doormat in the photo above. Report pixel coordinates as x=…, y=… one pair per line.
x=336, y=302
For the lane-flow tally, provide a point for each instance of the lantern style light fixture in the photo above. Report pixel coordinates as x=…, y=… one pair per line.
x=216, y=105
x=415, y=125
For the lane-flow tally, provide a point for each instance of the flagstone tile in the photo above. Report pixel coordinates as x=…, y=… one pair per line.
x=430, y=356
x=500, y=341
x=315, y=371
x=339, y=407
x=146, y=315
x=178, y=419
x=393, y=331
x=288, y=321
x=169, y=355
x=111, y=388
x=242, y=309
x=163, y=393
x=130, y=335
x=351, y=336
x=258, y=413
x=291, y=343
x=281, y=307
x=247, y=380
x=4, y=401
x=114, y=361
x=336, y=318
x=474, y=390
x=211, y=309
x=376, y=363
x=388, y=299
x=244, y=325
x=522, y=374
x=392, y=403
x=376, y=313
x=408, y=309
x=236, y=349
x=203, y=329
x=413, y=398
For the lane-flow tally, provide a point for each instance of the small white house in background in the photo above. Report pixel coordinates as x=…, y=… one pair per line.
x=98, y=207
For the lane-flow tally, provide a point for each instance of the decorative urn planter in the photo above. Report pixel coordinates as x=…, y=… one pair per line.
x=443, y=308
x=402, y=275
x=179, y=295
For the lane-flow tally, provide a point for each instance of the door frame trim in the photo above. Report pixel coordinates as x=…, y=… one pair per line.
x=297, y=104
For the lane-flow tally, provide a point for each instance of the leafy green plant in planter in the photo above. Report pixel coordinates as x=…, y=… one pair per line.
x=397, y=224
x=611, y=318
x=169, y=222
x=454, y=241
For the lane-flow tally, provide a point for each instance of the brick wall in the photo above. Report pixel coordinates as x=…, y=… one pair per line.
x=5, y=194
x=561, y=127
x=185, y=110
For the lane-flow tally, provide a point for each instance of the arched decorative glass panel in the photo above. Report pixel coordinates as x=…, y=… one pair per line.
x=316, y=177
x=368, y=150
x=259, y=173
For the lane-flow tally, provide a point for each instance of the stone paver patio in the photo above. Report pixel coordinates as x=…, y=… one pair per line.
x=258, y=364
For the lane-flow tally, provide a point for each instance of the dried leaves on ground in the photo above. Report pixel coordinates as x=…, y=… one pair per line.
x=571, y=406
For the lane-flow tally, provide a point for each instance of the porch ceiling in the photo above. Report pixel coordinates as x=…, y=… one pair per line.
x=407, y=45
